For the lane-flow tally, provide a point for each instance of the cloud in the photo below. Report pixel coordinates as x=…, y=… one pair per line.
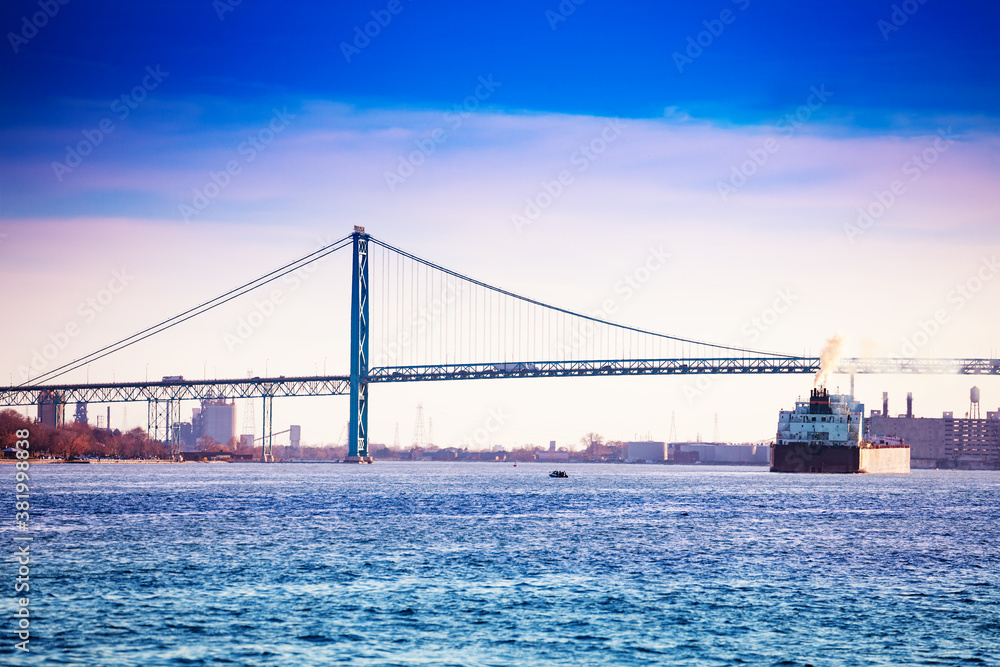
x=333, y=156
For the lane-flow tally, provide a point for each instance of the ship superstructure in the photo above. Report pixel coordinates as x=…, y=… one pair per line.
x=826, y=434
x=835, y=420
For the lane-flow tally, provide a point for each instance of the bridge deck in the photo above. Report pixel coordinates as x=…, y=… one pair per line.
x=335, y=385
x=332, y=385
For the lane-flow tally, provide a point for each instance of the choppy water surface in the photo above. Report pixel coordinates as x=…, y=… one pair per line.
x=488, y=564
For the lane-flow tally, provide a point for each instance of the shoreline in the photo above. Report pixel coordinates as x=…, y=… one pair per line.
x=111, y=462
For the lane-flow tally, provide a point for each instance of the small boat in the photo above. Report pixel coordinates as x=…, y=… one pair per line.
x=558, y=473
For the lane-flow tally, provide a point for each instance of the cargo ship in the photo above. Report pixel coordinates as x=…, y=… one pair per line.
x=826, y=434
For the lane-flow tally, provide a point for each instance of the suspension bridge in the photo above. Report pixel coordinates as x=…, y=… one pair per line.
x=412, y=320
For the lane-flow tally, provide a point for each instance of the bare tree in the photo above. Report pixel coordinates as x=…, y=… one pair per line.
x=207, y=443
x=10, y=423
x=592, y=443
x=136, y=444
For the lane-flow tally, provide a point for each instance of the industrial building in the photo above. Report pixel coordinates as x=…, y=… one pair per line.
x=971, y=442
x=51, y=409
x=645, y=452
x=719, y=453
x=216, y=418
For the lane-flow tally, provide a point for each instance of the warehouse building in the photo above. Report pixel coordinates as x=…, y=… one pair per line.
x=970, y=442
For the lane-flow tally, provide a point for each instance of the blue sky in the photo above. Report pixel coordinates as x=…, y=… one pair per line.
x=211, y=79
x=613, y=59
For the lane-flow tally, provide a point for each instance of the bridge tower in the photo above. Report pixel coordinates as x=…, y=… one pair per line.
x=357, y=446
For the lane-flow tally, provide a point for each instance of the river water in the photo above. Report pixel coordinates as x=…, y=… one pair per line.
x=491, y=564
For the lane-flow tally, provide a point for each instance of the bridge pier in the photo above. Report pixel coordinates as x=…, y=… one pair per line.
x=267, y=454
x=161, y=415
x=357, y=449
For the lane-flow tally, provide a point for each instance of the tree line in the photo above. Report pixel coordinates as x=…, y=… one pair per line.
x=73, y=439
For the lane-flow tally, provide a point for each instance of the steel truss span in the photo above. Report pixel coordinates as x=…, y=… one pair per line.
x=721, y=365
x=336, y=385
x=184, y=390
x=590, y=368
x=890, y=366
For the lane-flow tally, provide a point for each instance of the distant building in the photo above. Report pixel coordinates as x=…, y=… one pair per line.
x=946, y=441
x=184, y=434
x=719, y=453
x=51, y=408
x=216, y=418
x=645, y=452
x=551, y=455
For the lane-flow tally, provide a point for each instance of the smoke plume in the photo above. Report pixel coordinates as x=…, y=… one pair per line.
x=828, y=359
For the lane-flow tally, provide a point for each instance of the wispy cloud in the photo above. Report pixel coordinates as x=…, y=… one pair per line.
x=336, y=153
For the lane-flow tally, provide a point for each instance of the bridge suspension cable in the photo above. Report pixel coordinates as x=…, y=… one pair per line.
x=428, y=314
x=191, y=312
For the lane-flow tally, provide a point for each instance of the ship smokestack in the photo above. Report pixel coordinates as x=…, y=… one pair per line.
x=885, y=404
x=909, y=404
x=819, y=401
